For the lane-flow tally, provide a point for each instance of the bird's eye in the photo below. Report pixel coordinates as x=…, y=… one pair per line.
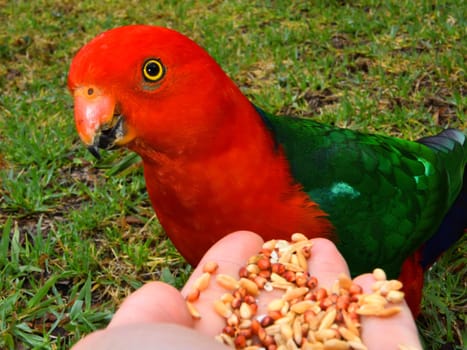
x=153, y=70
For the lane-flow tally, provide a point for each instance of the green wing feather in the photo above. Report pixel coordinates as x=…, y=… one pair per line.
x=385, y=196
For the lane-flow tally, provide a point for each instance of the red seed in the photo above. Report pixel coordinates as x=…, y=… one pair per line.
x=239, y=293
x=254, y=308
x=229, y=330
x=243, y=272
x=339, y=317
x=320, y=294
x=260, y=281
x=255, y=326
x=354, y=317
x=265, y=252
x=249, y=299
x=264, y=264
x=240, y=341
x=325, y=303
x=306, y=251
x=301, y=280
x=275, y=315
x=355, y=289
x=309, y=316
x=267, y=321
x=278, y=268
x=246, y=332
x=289, y=276
x=269, y=343
x=343, y=302
x=264, y=274
x=312, y=282
x=235, y=303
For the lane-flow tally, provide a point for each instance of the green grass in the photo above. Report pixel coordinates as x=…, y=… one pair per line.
x=75, y=238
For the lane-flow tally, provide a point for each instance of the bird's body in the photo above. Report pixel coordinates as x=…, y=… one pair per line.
x=393, y=192
x=214, y=163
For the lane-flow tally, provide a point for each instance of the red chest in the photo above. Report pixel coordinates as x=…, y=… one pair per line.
x=197, y=203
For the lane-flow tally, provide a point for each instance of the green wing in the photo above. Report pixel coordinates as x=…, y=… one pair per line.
x=385, y=196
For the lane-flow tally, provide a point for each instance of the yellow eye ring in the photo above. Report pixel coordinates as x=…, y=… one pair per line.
x=153, y=70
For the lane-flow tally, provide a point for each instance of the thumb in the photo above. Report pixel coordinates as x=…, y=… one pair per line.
x=154, y=302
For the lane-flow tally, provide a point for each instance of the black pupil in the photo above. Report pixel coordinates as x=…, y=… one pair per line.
x=153, y=69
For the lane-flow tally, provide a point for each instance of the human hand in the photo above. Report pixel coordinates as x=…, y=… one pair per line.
x=156, y=314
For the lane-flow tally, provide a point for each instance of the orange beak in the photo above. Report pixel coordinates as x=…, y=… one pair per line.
x=98, y=121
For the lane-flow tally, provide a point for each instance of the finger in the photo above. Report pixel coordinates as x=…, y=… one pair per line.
x=387, y=332
x=147, y=336
x=326, y=263
x=155, y=302
x=230, y=253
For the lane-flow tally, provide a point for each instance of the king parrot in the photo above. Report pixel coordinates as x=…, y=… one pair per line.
x=215, y=163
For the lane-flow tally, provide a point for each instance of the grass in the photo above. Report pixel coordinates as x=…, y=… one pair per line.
x=76, y=237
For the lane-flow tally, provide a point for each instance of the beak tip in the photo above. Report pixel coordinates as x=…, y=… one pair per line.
x=94, y=151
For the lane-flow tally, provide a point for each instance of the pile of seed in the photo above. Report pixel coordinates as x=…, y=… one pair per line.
x=306, y=316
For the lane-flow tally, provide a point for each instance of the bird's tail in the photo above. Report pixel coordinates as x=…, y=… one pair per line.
x=453, y=143
x=452, y=147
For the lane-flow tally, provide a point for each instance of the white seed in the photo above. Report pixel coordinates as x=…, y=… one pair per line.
x=225, y=339
x=297, y=237
x=297, y=330
x=344, y=281
x=379, y=274
x=252, y=268
x=286, y=331
x=293, y=267
x=278, y=278
x=269, y=245
x=227, y=281
x=326, y=334
x=336, y=344
x=328, y=319
x=302, y=306
x=302, y=261
x=295, y=293
x=350, y=324
x=373, y=299
x=193, y=311
x=268, y=287
x=395, y=296
x=275, y=305
x=210, y=267
x=390, y=311
x=357, y=345
x=394, y=285
x=227, y=298
x=245, y=311
x=233, y=320
x=222, y=309
x=250, y=286
x=369, y=309
x=347, y=334
x=294, y=260
x=202, y=282
x=290, y=345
